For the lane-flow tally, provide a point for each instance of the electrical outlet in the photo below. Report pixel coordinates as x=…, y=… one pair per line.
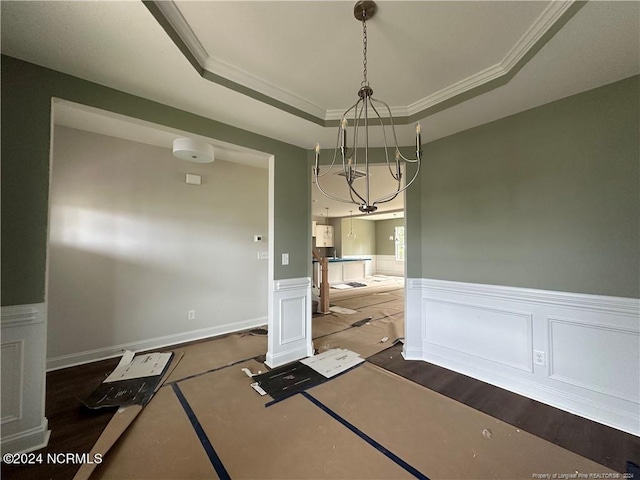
x=191, y=315
x=538, y=358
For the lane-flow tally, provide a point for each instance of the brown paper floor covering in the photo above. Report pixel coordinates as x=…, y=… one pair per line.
x=440, y=437
x=294, y=439
x=218, y=352
x=160, y=444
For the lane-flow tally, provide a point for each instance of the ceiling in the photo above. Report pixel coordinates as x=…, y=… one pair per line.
x=289, y=69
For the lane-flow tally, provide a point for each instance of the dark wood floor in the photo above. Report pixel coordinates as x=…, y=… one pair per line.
x=602, y=444
x=75, y=429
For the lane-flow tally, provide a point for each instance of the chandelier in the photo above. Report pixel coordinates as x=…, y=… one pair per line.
x=358, y=155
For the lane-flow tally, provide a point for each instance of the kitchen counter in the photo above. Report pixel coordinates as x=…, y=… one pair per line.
x=335, y=260
x=341, y=270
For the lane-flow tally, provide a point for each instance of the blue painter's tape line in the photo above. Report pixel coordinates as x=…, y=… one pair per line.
x=202, y=436
x=413, y=471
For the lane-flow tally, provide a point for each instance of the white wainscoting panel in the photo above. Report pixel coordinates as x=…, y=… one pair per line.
x=596, y=357
x=291, y=311
x=501, y=336
x=289, y=321
x=24, y=339
x=590, y=344
x=12, y=380
x=388, y=265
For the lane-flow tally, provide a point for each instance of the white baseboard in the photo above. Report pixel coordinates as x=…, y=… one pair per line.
x=590, y=344
x=88, y=356
x=28, y=440
x=282, y=358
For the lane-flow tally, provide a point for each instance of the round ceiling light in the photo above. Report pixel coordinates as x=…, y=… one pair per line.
x=193, y=150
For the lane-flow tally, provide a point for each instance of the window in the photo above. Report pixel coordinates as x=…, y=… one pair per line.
x=399, y=236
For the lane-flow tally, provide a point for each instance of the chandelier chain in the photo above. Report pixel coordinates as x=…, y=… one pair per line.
x=365, y=82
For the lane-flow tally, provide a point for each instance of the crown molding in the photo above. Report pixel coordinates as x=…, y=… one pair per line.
x=172, y=14
x=547, y=19
x=225, y=70
x=223, y=73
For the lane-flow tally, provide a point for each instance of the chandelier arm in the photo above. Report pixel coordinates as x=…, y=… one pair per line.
x=356, y=126
x=384, y=198
x=350, y=175
x=397, y=175
x=389, y=197
x=344, y=116
x=395, y=138
x=335, y=153
x=351, y=168
x=353, y=191
x=332, y=197
x=366, y=148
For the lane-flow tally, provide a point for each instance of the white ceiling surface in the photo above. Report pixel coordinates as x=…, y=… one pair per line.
x=414, y=48
x=313, y=51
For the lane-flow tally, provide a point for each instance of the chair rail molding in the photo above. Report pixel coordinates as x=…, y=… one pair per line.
x=587, y=346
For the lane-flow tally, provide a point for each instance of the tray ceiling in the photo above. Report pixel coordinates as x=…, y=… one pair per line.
x=288, y=69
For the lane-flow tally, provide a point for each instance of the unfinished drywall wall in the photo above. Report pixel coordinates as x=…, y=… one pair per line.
x=133, y=247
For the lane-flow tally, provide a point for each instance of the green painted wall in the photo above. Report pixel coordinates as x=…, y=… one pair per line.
x=548, y=198
x=384, y=230
x=365, y=241
x=27, y=91
x=413, y=223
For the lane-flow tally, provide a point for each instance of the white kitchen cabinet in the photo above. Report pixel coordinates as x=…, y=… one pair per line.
x=324, y=236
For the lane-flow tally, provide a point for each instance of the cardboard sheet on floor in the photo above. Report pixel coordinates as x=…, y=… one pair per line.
x=120, y=422
x=341, y=286
x=333, y=362
x=218, y=352
x=292, y=439
x=437, y=435
x=282, y=382
x=161, y=444
x=133, y=381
